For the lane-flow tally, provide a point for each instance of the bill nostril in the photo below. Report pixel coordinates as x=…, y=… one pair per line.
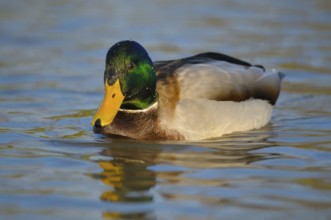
x=97, y=123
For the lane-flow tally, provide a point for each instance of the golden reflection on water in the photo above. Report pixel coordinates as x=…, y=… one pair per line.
x=128, y=178
x=133, y=171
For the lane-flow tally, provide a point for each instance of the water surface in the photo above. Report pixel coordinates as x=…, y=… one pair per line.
x=52, y=166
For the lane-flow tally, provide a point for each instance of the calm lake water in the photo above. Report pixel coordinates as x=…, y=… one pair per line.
x=52, y=166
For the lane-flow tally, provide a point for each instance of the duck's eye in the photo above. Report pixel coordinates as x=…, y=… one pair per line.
x=131, y=65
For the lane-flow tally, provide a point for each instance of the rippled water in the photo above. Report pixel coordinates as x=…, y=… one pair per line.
x=53, y=167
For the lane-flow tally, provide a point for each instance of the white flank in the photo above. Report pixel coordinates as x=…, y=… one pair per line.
x=200, y=119
x=198, y=116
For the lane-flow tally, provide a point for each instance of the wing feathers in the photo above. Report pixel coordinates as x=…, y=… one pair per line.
x=227, y=82
x=215, y=76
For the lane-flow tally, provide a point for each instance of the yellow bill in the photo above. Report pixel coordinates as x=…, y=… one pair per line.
x=110, y=104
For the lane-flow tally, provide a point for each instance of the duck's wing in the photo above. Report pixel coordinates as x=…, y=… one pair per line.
x=220, y=77
x=171, y=65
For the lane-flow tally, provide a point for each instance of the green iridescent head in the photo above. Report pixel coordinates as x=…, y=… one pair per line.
x=128, y=62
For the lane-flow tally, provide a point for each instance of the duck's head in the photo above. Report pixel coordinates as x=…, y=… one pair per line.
x=129, y=81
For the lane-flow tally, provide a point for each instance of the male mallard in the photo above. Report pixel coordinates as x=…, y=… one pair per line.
x=194, y=98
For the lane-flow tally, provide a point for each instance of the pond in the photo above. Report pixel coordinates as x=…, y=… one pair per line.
x=52, y=165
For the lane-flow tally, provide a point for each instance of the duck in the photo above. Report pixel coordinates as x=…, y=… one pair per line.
x=203, y=96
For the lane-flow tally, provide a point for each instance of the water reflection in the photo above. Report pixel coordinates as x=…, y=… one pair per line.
x=129, y=179
x=128, y=185
x=132, y=171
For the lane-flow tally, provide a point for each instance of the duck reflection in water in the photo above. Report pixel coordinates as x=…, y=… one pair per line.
x=129, y=179
x=134, y=170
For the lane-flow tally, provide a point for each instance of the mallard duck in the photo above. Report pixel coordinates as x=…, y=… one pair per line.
x=203, y=96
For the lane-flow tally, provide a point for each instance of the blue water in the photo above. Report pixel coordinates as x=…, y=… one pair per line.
x=52, y=166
